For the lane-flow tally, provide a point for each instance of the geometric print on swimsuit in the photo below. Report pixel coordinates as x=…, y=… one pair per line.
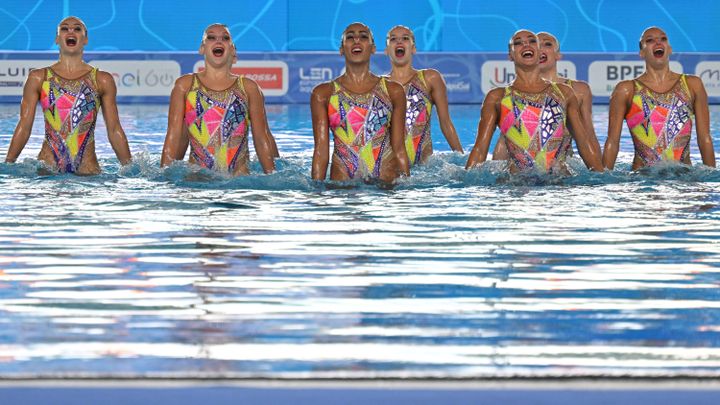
x=551, y=117
x=415, y=104
x=677, y=119
x=234, y=115
x=376, y=119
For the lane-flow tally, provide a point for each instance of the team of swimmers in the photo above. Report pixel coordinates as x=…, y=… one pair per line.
x=380, y=125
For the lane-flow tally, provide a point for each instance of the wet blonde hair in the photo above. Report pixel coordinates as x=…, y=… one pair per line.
x=412, y=34
x=72, y=17
x=342, y=36
x=204, y=35
x=557, y=43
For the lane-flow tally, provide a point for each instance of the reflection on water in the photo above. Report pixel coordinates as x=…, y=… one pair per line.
x=141, y=271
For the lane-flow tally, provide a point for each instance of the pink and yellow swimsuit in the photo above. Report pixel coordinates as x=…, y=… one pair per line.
x=661, y=123
x=70, y=110
x=218, y=124
x=360, y=124
x=417, y=117
x=533, y=126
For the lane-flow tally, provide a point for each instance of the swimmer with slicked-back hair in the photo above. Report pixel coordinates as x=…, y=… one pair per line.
x=71, y=93
x=213, y=111
x=659, y=106
x=531, y=114
x=549, y=56
x=366, y=115
x=423, y=89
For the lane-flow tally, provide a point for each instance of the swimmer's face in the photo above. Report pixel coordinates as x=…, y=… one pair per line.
x=400, y=46
x=524, y=48
x=71, y=35
x=654, y=45
x=357, y=42
x=549, y=51
x=217, y=45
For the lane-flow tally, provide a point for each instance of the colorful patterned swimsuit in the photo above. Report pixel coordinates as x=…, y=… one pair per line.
x=569, y=148
x=360, y=124
x=417, y=117
x=217, y=122
x=70, y=109
x=533, y=126
x=661, y=123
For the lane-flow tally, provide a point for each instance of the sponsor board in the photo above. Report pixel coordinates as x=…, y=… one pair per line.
x=309, y=77
x=141, y=77
x=270, y=75
x=14, y=72
x=455, y=84
x=709, y=72
x=500, y=73
x=604, y=75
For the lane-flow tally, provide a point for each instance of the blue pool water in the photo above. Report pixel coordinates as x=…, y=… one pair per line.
x=147, y=272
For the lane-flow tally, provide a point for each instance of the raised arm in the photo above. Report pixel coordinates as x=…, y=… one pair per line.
x=397, y=126
x=258, y=122
x=176, y=138
x=584, y=95
x=31, y=95
x=489, y=116
x=702, y=121
x=589, y=153
x=619, y=104
x=116, y=135
x=321, y=131
x=438, y=92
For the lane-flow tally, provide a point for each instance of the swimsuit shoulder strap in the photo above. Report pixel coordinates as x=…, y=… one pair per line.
x=241, y=83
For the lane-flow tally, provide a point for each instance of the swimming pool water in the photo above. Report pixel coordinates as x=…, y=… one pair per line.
x=143, y=272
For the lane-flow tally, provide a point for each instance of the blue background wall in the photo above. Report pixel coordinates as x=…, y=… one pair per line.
x=301, y=25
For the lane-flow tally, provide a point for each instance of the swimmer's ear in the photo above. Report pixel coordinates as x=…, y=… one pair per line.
x=374, y=48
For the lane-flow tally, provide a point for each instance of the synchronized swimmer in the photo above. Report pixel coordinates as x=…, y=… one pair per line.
x=380, y=125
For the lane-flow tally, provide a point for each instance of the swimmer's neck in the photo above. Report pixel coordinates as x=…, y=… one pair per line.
x=658, y=74
x=402, y=74
x=552, y=75
x=216, y=72
x=526, y=75
x=69, y=64
x=358, y=72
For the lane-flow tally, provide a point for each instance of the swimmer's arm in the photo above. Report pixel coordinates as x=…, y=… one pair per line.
x=115, y=133
x=31, y=95
x=589, y=154
x=321, y=130
x=584, y=95
x=438, y=89
x=500, y=152
x=619, y=104
x=176, y=138
x=489, y=116
x=397, y=126
x=258, y=122
x=702, y=121
x=268, y=133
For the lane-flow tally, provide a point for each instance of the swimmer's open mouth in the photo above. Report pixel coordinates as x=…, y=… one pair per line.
x=356, y=50
x=218, y=51
x=71, y=42
x=400, y=52
x=543, y=58
x=528, y=54
x=659, y=53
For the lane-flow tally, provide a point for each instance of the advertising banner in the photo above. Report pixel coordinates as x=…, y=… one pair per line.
x=289, y=77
